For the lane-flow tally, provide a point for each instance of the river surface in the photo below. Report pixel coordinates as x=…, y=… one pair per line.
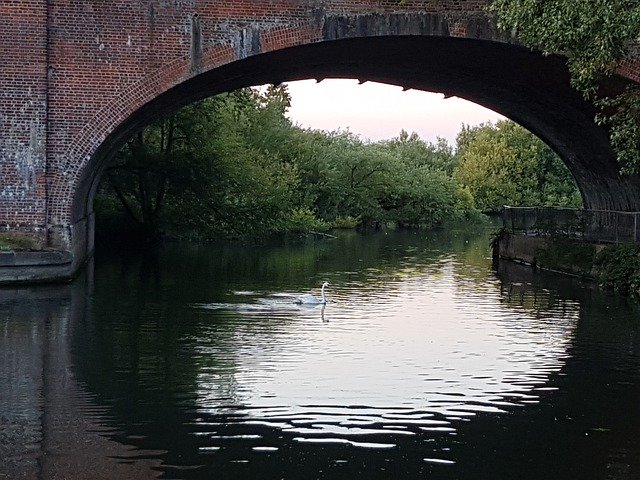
x=195, y=362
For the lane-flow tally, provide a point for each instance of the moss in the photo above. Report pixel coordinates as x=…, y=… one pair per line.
x=567, y=256
x=614, y=267
x=10, y=242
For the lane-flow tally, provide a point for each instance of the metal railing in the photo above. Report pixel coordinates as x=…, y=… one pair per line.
x=591, y=225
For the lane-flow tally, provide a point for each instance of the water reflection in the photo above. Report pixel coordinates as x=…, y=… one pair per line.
x=195, y=363
x=50, y=426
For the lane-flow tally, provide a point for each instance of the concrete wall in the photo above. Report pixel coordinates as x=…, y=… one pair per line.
x=547, y=253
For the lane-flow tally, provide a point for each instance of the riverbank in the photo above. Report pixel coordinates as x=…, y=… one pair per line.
x=614, y=267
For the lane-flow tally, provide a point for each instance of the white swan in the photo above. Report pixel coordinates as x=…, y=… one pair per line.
x=308, y=299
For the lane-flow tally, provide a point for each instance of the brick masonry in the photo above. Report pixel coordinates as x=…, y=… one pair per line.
x=73, y=71
x=23, y=114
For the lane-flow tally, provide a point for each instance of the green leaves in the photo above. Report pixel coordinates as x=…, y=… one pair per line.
x=594, y=35
x=233, y=166
x=507, y=165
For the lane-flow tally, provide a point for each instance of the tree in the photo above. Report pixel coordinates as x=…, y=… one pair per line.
x=595, y=37
x=507, y=165
x=221, y=167
x=234, y=166
x=418, y=153
x=152, y=164
x=350, y=177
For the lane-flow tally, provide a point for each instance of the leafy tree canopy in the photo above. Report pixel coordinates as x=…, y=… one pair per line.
x=504, y=164
x=234, y=166
x=595, y=36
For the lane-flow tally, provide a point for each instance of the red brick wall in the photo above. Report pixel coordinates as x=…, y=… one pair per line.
x=23, y=98
x=630, y=68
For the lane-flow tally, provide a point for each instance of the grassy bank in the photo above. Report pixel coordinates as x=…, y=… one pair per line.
x=10, y=242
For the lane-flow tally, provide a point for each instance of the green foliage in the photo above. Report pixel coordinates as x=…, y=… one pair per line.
x=403, y=181
x=303, y=220
x=233, y=166
x=17, y=242
x=217, y=168
x=594, y=36
x=618, y=268
x=507, y=165
x=346, y=223
x=621, y=114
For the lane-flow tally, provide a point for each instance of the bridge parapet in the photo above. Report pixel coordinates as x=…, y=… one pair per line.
x=603, y=226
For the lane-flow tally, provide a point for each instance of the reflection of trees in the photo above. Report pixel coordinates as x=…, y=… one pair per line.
x=135, y=354
x=587, y=428
x=149, y=357
x=146, y=353
x=27, y=317
x=133, y=327
x=294, y=267
x=49, y=428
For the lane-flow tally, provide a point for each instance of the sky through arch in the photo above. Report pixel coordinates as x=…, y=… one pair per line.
x=378, y=111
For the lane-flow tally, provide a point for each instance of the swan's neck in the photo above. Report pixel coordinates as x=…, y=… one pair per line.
x=324, y=299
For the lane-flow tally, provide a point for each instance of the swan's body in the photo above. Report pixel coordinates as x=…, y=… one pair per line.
x=308, y=299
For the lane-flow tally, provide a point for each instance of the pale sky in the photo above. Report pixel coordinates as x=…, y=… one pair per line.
x=376, y=111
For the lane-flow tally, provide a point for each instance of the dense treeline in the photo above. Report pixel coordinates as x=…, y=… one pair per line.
x=234, y=166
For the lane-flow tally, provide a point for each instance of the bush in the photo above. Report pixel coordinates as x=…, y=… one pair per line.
x=348, y=223
x=302, y=220
x=618, y=268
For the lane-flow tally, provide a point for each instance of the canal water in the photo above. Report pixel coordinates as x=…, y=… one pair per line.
x=196, y=362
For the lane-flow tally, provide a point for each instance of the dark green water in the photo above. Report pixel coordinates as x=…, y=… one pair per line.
x=195, y=362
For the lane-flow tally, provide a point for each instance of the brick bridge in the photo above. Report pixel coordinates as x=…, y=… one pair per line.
x=79, y=77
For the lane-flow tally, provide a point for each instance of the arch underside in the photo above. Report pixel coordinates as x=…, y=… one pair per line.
x=529, y=88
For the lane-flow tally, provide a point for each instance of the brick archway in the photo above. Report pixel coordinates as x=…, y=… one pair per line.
x=169, y=86
x=526, y=87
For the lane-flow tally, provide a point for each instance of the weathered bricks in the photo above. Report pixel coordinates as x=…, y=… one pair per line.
x=23, y=114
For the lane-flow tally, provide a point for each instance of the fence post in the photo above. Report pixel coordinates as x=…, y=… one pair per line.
x=505, y=217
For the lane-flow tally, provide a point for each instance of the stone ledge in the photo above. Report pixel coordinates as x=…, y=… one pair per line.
x=534, y=251
x=35, y=259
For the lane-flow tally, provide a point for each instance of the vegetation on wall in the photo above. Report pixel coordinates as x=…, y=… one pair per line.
x=15, y=242
x=618, y=269
x=234, y=166
x=614, y=267
x=595, y=37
